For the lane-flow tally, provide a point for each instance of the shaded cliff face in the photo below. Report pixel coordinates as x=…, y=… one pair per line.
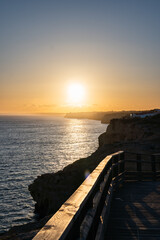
x=130, y=130
x=51, y=190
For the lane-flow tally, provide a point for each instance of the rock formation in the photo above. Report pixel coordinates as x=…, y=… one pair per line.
x=132, y=130
x=49, y=191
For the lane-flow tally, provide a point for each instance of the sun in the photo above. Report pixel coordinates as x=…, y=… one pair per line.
x=76, y=94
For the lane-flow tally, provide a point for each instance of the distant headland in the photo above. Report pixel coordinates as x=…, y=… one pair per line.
x=106, y=117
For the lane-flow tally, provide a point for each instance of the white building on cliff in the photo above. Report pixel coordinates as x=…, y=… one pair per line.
x=145, y=114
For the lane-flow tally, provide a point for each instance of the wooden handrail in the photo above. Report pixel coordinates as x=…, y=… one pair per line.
x=85, y=214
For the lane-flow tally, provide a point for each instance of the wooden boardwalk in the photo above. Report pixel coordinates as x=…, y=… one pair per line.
x=135, y=212
x=97, y=211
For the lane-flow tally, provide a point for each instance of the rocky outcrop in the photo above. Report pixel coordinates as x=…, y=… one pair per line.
x=26, y=231
x=49, y=191
x=132, y=130
x=115, y=115
x=120, y=131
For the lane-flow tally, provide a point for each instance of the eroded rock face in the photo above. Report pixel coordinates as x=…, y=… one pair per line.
x=129, y=130
x=51, y=190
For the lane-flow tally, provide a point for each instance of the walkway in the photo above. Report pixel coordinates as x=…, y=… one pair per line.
x=135, y=212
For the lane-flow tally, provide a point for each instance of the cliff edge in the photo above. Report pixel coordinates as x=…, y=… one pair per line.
x=132, y=130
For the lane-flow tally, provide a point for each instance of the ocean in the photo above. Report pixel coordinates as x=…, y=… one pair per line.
x=31, y=146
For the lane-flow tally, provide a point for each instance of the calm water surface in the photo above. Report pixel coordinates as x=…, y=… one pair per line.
x=31, y=146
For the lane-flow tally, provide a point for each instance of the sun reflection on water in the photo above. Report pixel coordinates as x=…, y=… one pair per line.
x=31, y=146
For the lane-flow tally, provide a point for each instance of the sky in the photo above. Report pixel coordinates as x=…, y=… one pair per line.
x=110, y=48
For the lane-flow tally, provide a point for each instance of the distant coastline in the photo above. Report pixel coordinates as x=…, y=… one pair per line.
x=104, y=117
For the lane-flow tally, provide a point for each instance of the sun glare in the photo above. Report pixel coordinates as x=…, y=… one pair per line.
x=76, y=94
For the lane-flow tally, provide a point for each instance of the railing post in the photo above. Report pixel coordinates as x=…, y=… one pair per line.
x=122, y=164
x=153, y=162
x=139, y=167
x=115, y=167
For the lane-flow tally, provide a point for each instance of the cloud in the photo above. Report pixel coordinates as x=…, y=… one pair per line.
x=39, y=107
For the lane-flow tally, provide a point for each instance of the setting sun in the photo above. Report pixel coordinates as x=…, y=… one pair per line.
x=76, y=94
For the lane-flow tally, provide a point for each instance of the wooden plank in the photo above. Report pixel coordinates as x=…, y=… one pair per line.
x=104, y=216
x=90, y=231
x=135, y=212
x=121, y=163
x=115, y=165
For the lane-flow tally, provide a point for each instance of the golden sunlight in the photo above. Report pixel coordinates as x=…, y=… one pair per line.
x=76, y=94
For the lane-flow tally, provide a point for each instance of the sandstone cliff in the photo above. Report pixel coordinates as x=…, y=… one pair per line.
x=132, y=130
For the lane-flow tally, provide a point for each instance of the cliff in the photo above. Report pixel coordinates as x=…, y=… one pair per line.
x=132, y=130
x=49, y=191
x=115, y=115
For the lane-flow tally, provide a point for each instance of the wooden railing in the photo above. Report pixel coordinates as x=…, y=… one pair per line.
x=85, y=214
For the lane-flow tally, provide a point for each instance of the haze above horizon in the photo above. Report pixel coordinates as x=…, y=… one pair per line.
x=70, y=56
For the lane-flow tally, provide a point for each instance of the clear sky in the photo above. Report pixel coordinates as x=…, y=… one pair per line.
x=111, y=48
